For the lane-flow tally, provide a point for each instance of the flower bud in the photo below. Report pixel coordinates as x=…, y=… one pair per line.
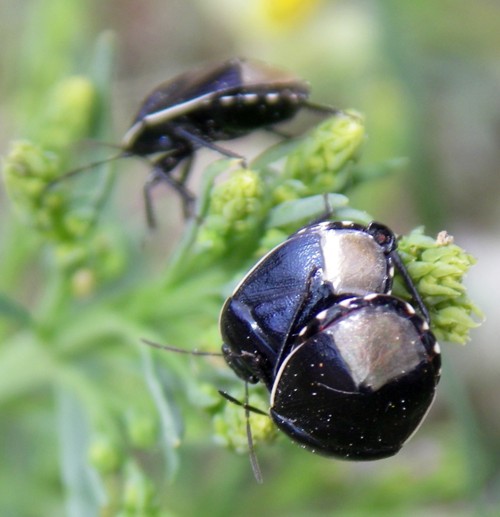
x=139, y=494
x=142, y=429
x=69, y=112
x=105, y=455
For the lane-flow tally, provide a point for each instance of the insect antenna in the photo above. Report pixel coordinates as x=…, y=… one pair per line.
x=254, y=462
x=247, y=407
x=251, y=449
x=88, y=166
x=180, y=350
x=244, y=405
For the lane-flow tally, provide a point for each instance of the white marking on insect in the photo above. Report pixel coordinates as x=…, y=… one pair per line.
x=163, y=116
x=227, y=100
x=250, y=98
x=409, y=309
x=272, y=98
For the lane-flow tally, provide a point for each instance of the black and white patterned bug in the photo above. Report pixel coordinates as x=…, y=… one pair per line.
x=358, y=380
x=310, y=271
x=351, y=370
x=201, y=107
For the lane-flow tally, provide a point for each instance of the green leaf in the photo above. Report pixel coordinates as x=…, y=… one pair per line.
x=305, y=209
x=11, y=310
x=84, y=491
x=170, y=435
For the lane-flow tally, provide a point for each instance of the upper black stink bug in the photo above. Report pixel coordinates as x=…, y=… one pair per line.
x=200, y=107
x=359, y=379
x=304, y=275
x=203, y=106
x=218, y=102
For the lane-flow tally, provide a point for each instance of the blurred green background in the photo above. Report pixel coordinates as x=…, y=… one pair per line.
x=427, y=77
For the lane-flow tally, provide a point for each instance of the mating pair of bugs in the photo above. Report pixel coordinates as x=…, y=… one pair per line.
x=351, y=369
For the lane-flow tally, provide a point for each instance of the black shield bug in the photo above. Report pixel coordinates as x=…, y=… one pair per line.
x=200, y=107
x=359, y=380
x=351, y=369
x=299, y=278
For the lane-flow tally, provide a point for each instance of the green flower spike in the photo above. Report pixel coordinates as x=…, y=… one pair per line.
x=236, y=213
x=27, y=171
x=321, y=162
x=438, y=266
x=69, y=112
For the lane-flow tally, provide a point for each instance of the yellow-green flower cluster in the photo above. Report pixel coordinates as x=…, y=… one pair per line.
x=139, y=496
x=437, y=267
x=89, y=262
x=32, y=165
x=142, y=428
x=87, y=255
x=53, y=210
x=28, y=172
x=69, y=113
x=240, y=208
x=230, y=425
x=321, y=162
x=105, y=454
x=111, y=461
x=237, y=209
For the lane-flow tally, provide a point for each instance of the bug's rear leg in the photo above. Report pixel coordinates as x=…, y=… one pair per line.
x=199, y=141
x=161, y=173
x=322, y=108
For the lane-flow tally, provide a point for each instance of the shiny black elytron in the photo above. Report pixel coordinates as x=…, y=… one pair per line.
x=351, y=369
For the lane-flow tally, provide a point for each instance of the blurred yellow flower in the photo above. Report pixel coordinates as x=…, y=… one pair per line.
x=286, y=13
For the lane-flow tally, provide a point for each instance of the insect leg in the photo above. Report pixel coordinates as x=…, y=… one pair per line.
x=322, y=108
x=398, y=263
x=161, y=172
x=248, y=409
x=202, y=142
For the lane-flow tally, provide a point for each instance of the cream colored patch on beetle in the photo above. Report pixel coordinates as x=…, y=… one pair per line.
x=378, y=345
x=353, y=262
